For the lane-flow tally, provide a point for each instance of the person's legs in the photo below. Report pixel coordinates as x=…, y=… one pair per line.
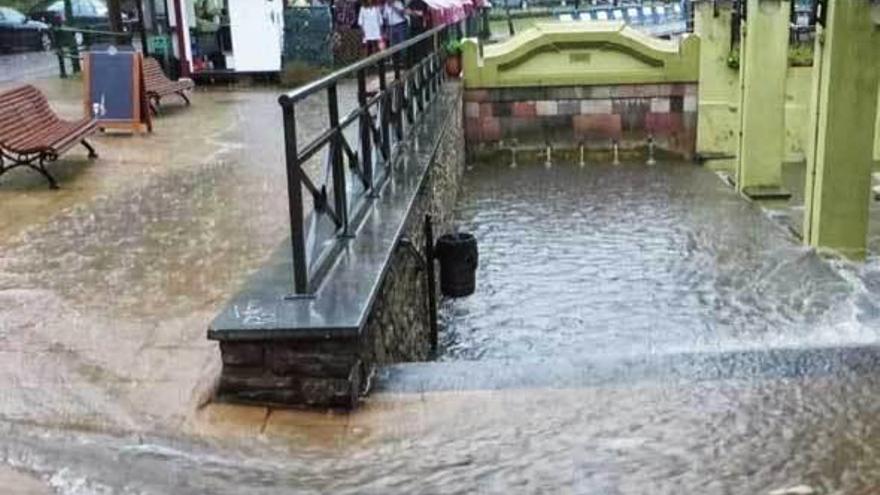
x=370, y=47
x=398, y=33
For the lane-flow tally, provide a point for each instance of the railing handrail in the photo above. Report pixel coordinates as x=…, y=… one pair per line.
x=70, y=29
x=307, y=89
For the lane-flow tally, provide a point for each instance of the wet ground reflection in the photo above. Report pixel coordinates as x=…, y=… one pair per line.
x=636, y=330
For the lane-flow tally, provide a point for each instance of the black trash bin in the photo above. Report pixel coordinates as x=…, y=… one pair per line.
x=458, y=256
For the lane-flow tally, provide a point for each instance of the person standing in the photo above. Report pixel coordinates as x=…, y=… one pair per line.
x=419, y=22
x=370, y=21
x=419, y=17
x=395, y=18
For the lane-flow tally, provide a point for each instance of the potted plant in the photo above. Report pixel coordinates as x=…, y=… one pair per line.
x=453, y=57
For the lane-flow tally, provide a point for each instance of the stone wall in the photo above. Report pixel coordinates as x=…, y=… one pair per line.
x=399, y=327
x=593, y=115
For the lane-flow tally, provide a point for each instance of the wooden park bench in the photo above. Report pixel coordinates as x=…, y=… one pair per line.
x=32, y=135
x=157, y=85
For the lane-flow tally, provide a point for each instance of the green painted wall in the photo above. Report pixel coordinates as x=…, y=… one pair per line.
x=565, y=54
x=719, y=95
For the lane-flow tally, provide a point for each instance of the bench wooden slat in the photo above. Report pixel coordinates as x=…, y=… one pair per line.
x=158, y=85
x=32, y=134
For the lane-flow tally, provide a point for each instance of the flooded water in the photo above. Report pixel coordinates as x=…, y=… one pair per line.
x=635, y=259
x=635, y=330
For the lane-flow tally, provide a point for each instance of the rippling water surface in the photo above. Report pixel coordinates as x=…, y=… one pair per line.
x=635, y=259
x=635, y=330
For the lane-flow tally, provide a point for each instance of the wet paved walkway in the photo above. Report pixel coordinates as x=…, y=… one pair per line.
x=107, y=286
x=28, y=66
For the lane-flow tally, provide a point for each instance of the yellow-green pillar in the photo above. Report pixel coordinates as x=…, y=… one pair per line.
x=717, y=115
x=763, y=71
x=843, y=116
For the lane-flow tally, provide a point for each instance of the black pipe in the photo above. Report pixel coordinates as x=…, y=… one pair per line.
x=432, y=283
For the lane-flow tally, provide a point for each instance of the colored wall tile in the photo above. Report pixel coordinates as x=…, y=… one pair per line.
x=472, y=109
x=547, y=108
x=596, y=106
x=569, y=107
x=607, y=126
x=660, y=105
x=524, y=109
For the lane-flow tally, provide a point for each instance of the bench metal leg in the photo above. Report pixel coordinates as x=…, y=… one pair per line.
x=28, y=161
x=185, y=98
x=92, y=153
x=41, y=168
x=154, y=106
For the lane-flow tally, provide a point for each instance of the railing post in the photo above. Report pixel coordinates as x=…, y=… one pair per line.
x=340, y=195
x=294, y=197
x=365, y=131
x=420, y=88
x=384, y=110
x=438, y=62
x=397, y=104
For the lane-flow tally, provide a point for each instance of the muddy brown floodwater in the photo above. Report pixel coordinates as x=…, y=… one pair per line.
x=635, y=330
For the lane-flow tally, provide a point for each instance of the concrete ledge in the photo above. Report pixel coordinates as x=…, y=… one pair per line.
x=339, y=308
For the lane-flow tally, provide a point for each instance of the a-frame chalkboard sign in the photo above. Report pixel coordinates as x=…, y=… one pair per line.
x=114, y=89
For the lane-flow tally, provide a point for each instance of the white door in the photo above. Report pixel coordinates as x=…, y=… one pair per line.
x=257, y=29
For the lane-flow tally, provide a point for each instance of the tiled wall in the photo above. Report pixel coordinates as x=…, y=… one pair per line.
x=594, y=115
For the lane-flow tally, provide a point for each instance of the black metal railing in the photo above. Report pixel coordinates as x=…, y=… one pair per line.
x=70, y=42
x=355, y=151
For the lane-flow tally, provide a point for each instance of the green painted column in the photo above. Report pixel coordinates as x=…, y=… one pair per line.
x=717, y=115
x=837, y=193
x=763, y=70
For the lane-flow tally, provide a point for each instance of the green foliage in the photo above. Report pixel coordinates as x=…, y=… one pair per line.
x=453, y=46
x=799, y=55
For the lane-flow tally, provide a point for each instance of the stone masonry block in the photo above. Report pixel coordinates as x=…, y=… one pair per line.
x=566, y=93
x=676, y=90
x=690, y=103
x=490, y=129
x=478, y=95
x=598, y=126
x=521, y=128
x=241, y=353
x=569, y=107
x=524, y=109
x=600, y=92
x=689, y=120
x=472, y=129
x=660, y=105
x=663, y=123
x=626, y=91
x=502, y=109
x=676, y=104
x=599, y=106
x=632, y=113
x=290, y=361
x=472, y=109
x=486, y=110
